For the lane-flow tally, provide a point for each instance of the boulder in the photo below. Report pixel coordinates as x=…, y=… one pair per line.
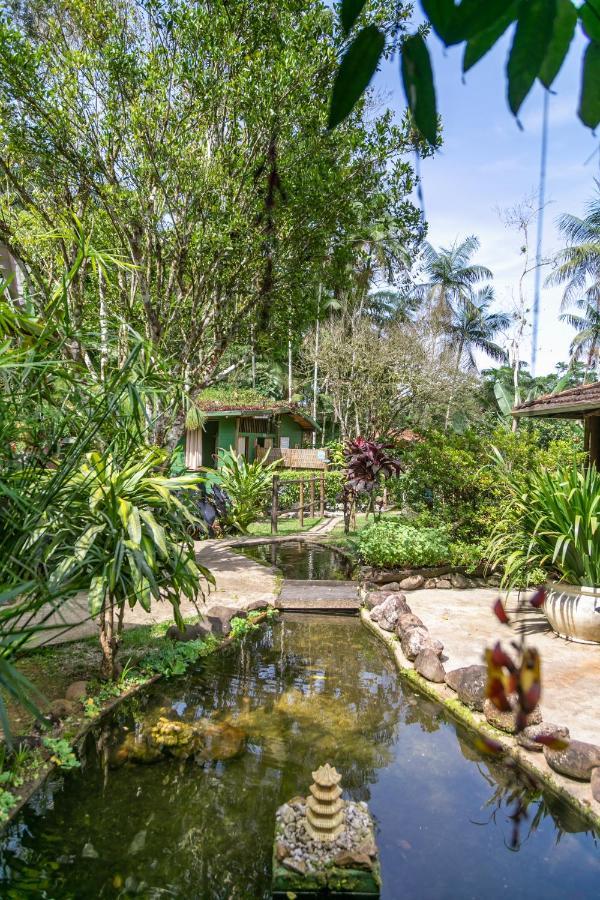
x=76, y=691
x=254, y=605
x=430, y=583
x=412, y=583
x=595, y=781
x=576, y=761
x=190, y=632
x=459, y=581
x=374, y=598
x=60, y=709
x=429, y=666
x=414, y=640
x=443, y=583
x=392, y=586
x=527, y=737
x=353, y=859
x=220, y=617
x=386, y=614
x=469, y=683
x=407, y=621
x=507, y=721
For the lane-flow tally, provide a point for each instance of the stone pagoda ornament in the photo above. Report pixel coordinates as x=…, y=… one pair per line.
x=324, y=807
x=325, y=845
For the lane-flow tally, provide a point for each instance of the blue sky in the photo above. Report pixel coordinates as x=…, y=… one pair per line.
x=487, y=163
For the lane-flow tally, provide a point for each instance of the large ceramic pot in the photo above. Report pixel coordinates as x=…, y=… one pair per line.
x=573, y=611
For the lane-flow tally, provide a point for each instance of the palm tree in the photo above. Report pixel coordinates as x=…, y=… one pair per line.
x=587, y=340
x=473, y=327
x=578, y=265
x=450, y=276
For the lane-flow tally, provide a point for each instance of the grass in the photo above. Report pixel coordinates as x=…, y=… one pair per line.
x=284, y=526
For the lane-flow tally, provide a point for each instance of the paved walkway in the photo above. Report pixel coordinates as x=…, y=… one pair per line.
x=464, y=622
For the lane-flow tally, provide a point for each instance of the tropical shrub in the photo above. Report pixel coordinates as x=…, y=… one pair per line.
x=389, y=543
x=247, y=485
x=289, y=493
x=550, y=523
x=121, y=534
x=367, y=464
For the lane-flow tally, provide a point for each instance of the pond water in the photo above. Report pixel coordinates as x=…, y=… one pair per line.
x=302, y=691
x=302, y=560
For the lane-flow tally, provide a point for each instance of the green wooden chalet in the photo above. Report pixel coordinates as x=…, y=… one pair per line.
x=253, y=429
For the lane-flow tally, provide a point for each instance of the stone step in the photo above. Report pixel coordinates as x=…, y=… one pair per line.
x=310, y=596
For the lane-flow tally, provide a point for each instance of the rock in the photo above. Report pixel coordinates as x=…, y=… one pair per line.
x=221, y=740
x=374, y=598
x=255, y=605
x=281, y=851
x=430, y=583
x=412, y=583
x=386, y=614
x=526, y=738
x=595, y=781
x=577, y=760
x=296, y=865
x=407, y=621
x=76, y=691
x=220, y=617
x=286, y=814
x=469, y=683
x=414, y=640
x=392, y=586
x=429, y=666
x=443, y=583
x=507, y=721
x=459, y=581
x=60, y=709
x=353, y=859
x=493, y=580
x=190, y=633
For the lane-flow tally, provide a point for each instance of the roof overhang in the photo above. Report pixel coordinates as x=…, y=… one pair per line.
x=559, y=411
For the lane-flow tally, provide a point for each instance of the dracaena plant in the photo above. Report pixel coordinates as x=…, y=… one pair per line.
x=367, y=464
x=246, y=485
x=121, y=534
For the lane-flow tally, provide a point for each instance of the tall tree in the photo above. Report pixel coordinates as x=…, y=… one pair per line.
x=577, y=266
x=450, y=276
x=474, y=326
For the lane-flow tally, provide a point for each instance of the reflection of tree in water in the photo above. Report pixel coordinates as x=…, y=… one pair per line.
x=518, y=797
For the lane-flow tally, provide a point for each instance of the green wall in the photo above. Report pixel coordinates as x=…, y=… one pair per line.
x=290, y=428
x=226, y=438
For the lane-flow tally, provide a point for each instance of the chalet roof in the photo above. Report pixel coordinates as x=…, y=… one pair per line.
x=573, y=403
x=222, y=409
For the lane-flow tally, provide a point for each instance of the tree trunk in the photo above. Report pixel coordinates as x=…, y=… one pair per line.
x=290, y=391
x=316, y=369
x=109, y=639
x=103, y=325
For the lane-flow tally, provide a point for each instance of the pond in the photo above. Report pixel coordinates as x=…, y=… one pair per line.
x=302, y=560
x=303, y=691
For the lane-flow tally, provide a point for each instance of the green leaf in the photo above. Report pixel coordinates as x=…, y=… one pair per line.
x=83, y=544
x=417, y=76
x=157, y=531
x=532, y=38
x=440, y=13
x=477, y=47
x=134, y=526
x=562, y=35
x=355, y=72
x=472, y=17
x=589, y=14
x=589, y=103
x=96, y=594
x=349, y=13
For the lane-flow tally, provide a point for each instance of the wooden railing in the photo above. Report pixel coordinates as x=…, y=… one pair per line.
x=311, y=481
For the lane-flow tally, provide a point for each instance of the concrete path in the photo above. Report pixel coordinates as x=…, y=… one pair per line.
x=464, y=622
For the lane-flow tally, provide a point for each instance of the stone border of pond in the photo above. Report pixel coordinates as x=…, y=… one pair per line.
x=577, y=794
x=28, y=790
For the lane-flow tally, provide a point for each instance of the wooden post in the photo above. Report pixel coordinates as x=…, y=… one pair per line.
x=322, y=494
x=301, y=507
x=593, y=423
x=274, y=503
x=312, y=496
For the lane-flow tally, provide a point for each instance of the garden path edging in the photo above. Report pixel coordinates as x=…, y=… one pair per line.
x=578, y=794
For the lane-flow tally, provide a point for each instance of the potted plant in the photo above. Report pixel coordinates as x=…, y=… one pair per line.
x=552, y=521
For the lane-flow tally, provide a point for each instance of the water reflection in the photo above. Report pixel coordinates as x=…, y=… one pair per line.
x=302, y=560
x=304, y=691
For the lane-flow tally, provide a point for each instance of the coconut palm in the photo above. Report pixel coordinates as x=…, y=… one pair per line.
x=578, y=265
x=451, y=276
x=473, y=327
x=586, y=342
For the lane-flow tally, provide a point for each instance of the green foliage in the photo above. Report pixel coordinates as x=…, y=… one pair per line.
x=175, y=657
x=62, y=753
x=551, y=523
x=248, y=485
x=392, y=543
x=7, y=802
x=289, y=494
x=544, y=31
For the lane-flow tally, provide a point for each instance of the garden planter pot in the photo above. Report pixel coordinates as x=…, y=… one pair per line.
x=573, y=611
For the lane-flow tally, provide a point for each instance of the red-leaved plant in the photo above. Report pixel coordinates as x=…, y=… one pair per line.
x=367, y=464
